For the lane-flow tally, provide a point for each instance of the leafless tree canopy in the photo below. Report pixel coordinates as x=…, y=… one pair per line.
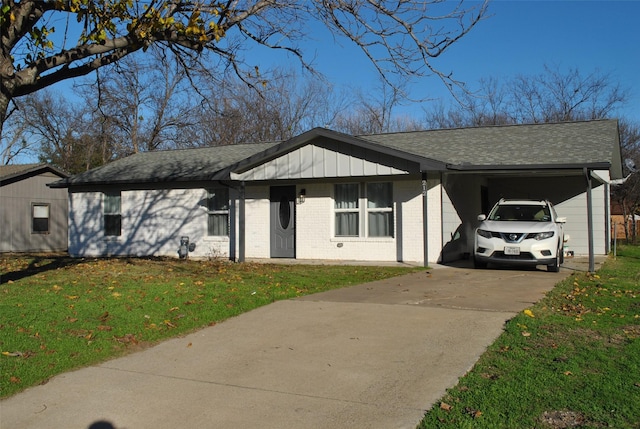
x=47, y=41
x=554, y=95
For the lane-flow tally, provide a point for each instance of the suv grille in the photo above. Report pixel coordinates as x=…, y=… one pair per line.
x=513, y=237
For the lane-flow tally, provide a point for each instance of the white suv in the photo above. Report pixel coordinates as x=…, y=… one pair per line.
x=521, y=232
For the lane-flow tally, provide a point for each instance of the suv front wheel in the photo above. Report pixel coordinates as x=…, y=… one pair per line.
x=555, y=267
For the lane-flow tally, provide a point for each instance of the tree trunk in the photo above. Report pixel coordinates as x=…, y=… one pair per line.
x=4, y=107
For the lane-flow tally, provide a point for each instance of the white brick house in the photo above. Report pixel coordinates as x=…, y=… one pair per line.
x=411, y=197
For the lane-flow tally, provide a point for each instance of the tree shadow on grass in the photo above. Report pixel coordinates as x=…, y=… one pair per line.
x=39, y=264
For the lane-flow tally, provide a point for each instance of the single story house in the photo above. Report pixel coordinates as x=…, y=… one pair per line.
x=33, y=217
x=409, y=196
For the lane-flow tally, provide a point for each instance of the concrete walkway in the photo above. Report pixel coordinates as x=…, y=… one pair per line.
x=376, y=355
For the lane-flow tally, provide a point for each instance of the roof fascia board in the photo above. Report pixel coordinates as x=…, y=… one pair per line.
x=469, y=167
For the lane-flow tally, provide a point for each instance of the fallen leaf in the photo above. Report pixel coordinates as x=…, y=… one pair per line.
x=526, y=334
x=445, y=406
x=12, y=354
x=15, y=380
x=189, y=345
x=528, y=313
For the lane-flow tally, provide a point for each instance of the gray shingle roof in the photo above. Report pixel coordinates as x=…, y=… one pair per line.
x=592, y=144
x=558, y=144
x=15, y=172
x=167, y=166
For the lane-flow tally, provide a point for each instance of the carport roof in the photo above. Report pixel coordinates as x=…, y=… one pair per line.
x=592, y=144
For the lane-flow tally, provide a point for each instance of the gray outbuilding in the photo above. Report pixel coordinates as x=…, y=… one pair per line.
x=33, y=217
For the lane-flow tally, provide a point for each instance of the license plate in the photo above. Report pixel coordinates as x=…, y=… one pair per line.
x=511, y=250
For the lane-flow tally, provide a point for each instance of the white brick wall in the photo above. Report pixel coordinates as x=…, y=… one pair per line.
x=153, y=221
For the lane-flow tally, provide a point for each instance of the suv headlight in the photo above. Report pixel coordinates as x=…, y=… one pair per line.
x=544, y=235
x=484, y=233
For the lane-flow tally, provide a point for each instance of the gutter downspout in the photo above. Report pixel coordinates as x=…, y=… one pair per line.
x=425, y=227
x=592, y=265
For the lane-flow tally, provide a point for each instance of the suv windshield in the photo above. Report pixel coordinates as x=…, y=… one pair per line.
x=527, y=213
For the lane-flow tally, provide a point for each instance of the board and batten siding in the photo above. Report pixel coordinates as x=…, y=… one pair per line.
x=327, y=161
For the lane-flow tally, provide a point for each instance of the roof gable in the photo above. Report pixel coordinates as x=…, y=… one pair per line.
x=323, y=153
x=16, y=172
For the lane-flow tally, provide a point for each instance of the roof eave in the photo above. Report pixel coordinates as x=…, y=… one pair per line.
x=513, y=167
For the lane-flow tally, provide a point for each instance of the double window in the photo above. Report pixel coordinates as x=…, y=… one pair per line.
x=40, y=218
x=363, y=210
x=112, y=214
x=218, y=212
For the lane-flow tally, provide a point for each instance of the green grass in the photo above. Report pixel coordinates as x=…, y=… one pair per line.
x=59, y=313
x=573, y=361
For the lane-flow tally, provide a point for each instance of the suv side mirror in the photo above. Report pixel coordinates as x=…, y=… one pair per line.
x=561, y=220
x=481, y=217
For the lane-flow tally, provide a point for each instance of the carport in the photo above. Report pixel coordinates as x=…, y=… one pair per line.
x=565, y=165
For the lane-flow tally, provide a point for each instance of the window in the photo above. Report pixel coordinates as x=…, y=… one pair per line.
x=346, y=210
x=380, y=209
x=40, y=218
x=112, y=215
x=218, y=210
x=377, y=216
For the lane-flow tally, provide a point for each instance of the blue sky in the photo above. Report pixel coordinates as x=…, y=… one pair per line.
x=520, y=37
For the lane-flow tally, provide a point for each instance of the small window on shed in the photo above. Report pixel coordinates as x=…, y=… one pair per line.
x=112, y=215
x=40, y=218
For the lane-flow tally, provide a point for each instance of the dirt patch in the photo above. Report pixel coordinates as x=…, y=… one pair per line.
x=562, y=419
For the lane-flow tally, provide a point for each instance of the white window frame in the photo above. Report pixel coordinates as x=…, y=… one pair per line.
x=115, y=213
x=363, y=210
x=379, y=210
x=36, y=207
x=337, y=211
x=217, y=211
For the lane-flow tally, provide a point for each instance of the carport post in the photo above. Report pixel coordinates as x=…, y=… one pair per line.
x=241, y=232
x=425, y=233
x=592, y=264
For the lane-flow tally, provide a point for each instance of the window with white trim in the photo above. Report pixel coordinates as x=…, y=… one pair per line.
x=347, y=212
x=218, y=212
x=380, y=209
x=363, y=214
x=112, y=215
x=40, y=218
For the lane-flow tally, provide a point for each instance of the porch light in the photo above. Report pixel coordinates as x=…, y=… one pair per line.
x=301, y=197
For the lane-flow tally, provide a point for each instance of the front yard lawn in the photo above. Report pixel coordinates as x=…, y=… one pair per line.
x=59, y=313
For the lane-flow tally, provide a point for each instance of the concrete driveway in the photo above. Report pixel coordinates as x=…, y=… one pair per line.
x=376, y=355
